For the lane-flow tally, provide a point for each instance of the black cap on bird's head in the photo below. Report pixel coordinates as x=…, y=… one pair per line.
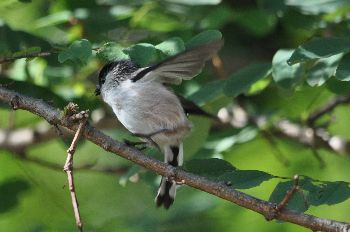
x=121, y=70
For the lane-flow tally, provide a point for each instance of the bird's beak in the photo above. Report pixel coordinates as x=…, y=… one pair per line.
x=97, y=91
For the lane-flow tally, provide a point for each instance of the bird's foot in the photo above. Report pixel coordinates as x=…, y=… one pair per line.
x=136, y=144
x=148, y=137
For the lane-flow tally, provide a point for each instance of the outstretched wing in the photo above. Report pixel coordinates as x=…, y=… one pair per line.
x=183, y=66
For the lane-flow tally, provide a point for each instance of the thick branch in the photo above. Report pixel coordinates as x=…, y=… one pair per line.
x=219, y=189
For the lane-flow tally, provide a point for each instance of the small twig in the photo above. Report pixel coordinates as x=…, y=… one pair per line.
x=288, y=195
x=275, y=150
x=327, y=109
x=68, y=168
x=89, y=167
x=31, y=55
x=321, y=162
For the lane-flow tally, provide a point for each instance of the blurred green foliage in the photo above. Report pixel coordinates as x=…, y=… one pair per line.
x=285, y=58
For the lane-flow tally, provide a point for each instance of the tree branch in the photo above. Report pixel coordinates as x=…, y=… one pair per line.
x=219, y=189
x=327, y=108
x=30, y=55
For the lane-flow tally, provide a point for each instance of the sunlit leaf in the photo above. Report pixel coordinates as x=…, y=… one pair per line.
x=142, y=54
x=283, y=74
x=79, y=51
x=322, y=70
x=316, y=6
x=171, y=46
x=319, y=48
x=111, y=51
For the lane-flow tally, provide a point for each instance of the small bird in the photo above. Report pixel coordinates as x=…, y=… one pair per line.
x=146, y=107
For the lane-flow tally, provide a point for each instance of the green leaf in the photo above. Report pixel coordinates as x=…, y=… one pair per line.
x=208, y=167
x=330, y=193
x=343, y=70
x=241, y=81
x=159, y=21
x=199, y=134
x=256, y=21
x=171, y=46
x=142, y=54
x=283, y=74
x=204, y=37
x=244, y=135
x=245, y=179
x=53, y=19
x=297, y=201
x=10, y=193
x=322, y=70
x=319, y=48
x=111, y=51
x=79, y=51
x=316, y=7
x=338, y=87
x=208, y=92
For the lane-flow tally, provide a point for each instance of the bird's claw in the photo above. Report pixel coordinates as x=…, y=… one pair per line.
x=136, y=144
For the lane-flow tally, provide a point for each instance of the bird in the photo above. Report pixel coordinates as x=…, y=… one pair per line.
x=142, y=101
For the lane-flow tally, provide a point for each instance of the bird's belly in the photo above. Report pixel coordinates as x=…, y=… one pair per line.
x=132, y=121
x=149, y=113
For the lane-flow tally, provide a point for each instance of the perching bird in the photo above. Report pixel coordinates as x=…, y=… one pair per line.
x=148, y=109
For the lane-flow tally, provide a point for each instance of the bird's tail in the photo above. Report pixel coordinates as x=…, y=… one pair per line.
x=173, y=155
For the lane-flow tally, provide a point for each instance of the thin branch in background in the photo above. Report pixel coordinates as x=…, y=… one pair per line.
x=119, y=170
x=274, y=147
x=4, y=60
x=68, y=168
x=327, y=108
x=316, y=154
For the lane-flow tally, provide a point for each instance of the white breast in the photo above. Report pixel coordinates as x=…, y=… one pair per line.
x=146, y=107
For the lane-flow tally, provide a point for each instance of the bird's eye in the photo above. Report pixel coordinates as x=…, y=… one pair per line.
x=102, y=80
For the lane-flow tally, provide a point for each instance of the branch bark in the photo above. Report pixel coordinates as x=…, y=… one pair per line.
x=50, y=114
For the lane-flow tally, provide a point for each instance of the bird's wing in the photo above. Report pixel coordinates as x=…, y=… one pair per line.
x=183, y=66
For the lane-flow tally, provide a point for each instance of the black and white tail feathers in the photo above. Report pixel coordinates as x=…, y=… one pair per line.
x=173, y=155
